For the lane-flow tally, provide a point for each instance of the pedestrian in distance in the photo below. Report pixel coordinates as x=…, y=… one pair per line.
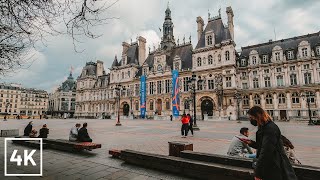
x=272, y=163
x=43, y=132
x=28, y=129
x=83, y=135
x=171, y=117
x=184, y=126
x=190, y=127
x=73, y=135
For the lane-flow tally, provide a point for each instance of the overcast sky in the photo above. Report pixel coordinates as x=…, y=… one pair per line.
x=254, y=20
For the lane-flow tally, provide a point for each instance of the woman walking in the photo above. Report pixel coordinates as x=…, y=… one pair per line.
x=272, y=162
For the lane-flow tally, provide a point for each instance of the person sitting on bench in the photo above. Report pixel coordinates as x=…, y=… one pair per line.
x=83, y=135
x=28, y=129
x=238, y=147
x=73, y=135
x=44, y=131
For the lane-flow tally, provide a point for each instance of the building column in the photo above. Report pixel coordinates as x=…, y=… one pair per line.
x=250, y=101
x=69, y=104
x=300, y=75
x=286, y=76
x=263, y=101
x=288, y=100
x=275, y=105
x=315, y=75
x=318, y=99
x=304, y=107
x=273, y=79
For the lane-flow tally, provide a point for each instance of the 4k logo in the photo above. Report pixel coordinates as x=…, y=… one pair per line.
x=22, y=157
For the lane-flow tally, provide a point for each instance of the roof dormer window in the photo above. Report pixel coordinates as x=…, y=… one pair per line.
x=265, y=58
x=318, y=50
x=209, y=40
x=254, y=60
x=290, y=54
x=277, y=54
x=304, y=52
x=227, y=56
x=243, y=62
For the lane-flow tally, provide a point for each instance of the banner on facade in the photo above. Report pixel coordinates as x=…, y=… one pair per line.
x=175, y=93
x=143, y=96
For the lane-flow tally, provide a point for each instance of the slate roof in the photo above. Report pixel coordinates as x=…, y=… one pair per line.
x=115, y=62
x=183, y=51
x=68, y=85
x=221, y=32
x=89, y=70
x=132, y=54
x=285, y=44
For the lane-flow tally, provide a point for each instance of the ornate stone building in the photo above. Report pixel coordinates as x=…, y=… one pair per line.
x=62, y=101
x=219, y=71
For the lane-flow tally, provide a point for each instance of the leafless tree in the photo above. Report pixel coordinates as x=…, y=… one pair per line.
x=24, y=23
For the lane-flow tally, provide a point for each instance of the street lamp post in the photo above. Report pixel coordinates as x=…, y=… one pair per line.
x=219, y=91
x=308, y=98
x=237, y=97
x=118, y=88
x=192, y=85
x=7, y=105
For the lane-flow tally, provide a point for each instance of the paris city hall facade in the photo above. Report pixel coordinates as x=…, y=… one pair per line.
x=273, y=75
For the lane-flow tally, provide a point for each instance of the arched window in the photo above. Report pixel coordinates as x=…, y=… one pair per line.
x=245, y=100
x=186, y=104
x=256, y=99
x=282, y=99
x=199, y=61
x=151, y=105
x=227, y=56
x=295, y=98
x=254, y=60
x=219, y=58
x=269, y=99
x=129, y=74
x=167, y=104
x=210, y=60
x=137, y=106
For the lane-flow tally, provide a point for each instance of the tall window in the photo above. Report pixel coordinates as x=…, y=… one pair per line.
x=269, y=99
x=255, y=83
x=177, y=66
x=243, y=62
x=307, y=78
x=210, y=60
x=318, y=50
x=228, y=81
x=304, y=52
x=306, y=66
x=122, y=75
x=290, y=54
x=266, y=71
x=293, y=79
x=277, y=54
x=254, y=60
x=219, y=57
x=137, y=106
x=129, y=74
x=245, y=85
x=311, y=96
x=167, y=104
x=199, y=62
x=211, y=84
x=151, y=88
x=186, y=104
x=265, y=58
x=159, y=87
x=295, y=98
x=144, y=71
x=200, y=87
x=267, y=82
x=282, y=98
x=151, y=105
x=136, y=89
x=245, y=100
x=280, y=80
x=292, y=68
x=227, y=56
x=185, y=84
x=209, y=40
x=168, y=85
x=256, y=99
x=279, y=69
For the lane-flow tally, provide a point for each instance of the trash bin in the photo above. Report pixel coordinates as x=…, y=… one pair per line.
x=175, y=147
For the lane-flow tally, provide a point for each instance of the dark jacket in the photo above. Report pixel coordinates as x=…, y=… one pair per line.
x=191, y=120
x=43, y=133
x=27, y=130
x=272, y=162
x=83, y=135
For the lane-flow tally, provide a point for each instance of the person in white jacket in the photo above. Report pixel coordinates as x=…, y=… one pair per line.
x=73, y=135
x=239, y=148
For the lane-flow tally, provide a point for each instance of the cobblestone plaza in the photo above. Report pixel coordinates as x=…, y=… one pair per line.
x=147, y=136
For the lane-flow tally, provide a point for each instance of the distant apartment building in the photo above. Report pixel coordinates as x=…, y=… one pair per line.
x=16, y=100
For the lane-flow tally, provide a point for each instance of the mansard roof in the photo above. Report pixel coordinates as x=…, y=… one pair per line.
x=115, y=62
x=221, y=32
x=68, y=85
x=89, y=70
x=132, y=54
x=285, y=44
x=184, y=52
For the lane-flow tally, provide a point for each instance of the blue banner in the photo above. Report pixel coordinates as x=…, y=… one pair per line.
x=175, y=93
x=143, y=96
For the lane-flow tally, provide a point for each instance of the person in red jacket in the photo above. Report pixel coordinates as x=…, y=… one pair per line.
x=185, y=126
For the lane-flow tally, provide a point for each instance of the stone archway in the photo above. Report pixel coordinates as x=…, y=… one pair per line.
x=126, y=109
x=158, y=106
x=207, y=107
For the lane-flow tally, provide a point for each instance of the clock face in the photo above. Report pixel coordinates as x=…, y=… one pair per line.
x=159, y=67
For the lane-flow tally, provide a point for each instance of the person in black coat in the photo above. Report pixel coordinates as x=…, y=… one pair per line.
x=44, y=131
x=28, y=129
x=83, y=135
x=272, y=162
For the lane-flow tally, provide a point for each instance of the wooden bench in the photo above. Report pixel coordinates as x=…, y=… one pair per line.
x=66, y=145
x=33, y=144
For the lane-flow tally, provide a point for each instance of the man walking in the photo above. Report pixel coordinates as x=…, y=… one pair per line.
x=190, y=127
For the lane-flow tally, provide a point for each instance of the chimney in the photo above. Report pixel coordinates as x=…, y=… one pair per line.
x=100, y=68
x=229, y=12
x=200, y=26
x=142, y=50
x=125, y=47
